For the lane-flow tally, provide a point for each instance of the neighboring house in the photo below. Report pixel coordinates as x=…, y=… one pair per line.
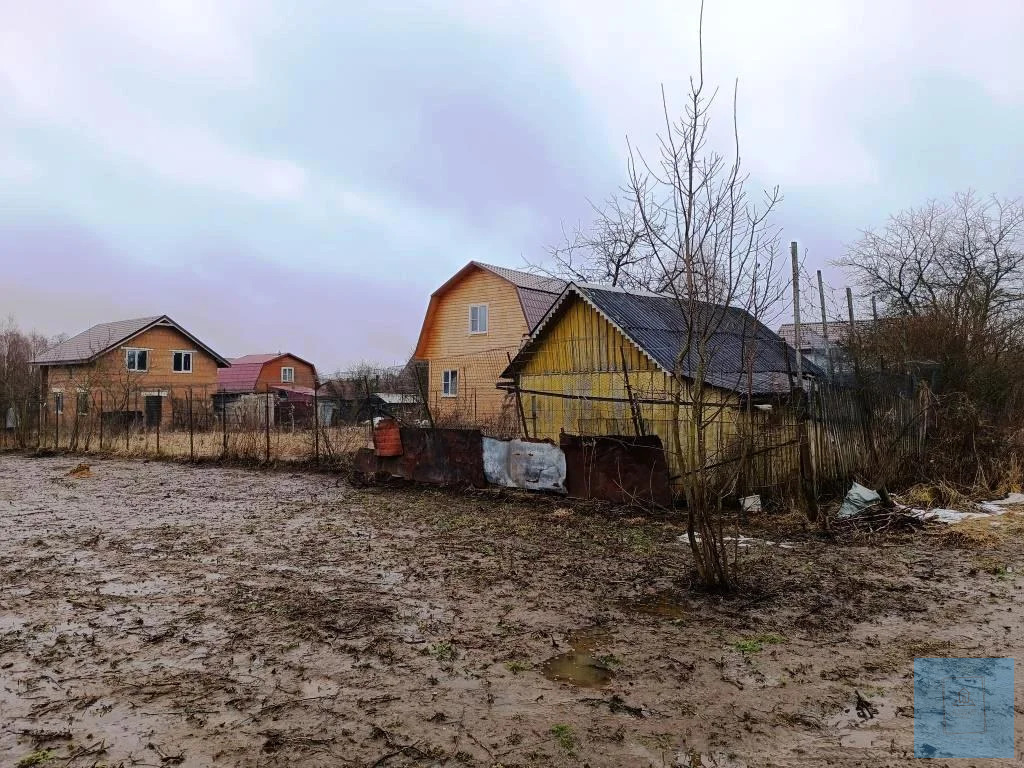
x=474, y=323
x=288, y=381
x=603, y=359
x=404, y=407
x=286, y=373
x=819, y=350
x=129, y=369
x=355, y=396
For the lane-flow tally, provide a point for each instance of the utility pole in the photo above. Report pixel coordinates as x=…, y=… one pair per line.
x=795, y=253
x=807, y=469
x=824, y=327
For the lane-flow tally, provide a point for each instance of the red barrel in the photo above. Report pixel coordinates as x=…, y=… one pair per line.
x=387, y=438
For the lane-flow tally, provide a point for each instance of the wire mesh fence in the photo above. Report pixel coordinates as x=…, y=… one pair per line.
x=582, y=390
x=271, y=424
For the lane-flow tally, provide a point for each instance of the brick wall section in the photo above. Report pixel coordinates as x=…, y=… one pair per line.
x=305, y=374
x=108, y=375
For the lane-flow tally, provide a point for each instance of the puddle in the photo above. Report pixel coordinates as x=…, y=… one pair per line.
x=580, y=666
x=11, y=624
x=665, y=605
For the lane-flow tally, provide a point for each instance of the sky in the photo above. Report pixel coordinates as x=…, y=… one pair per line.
x=301, y=175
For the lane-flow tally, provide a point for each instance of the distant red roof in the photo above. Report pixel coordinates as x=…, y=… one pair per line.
x=261, y=359
x=245, y=372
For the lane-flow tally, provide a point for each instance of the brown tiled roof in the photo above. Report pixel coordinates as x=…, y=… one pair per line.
x=526, y=279
x=535, y=305
x=536, y=292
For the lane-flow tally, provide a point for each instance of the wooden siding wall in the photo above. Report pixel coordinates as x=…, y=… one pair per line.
x=573, y=382
x=479, y=358
x=581, y=356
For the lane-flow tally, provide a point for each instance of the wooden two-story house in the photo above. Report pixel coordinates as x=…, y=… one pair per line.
x=474, y=324
x=127, y=368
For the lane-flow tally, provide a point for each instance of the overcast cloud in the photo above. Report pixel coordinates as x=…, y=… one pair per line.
x=302, y=175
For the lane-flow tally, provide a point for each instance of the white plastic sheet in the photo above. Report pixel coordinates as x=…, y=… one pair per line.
x=524, y=464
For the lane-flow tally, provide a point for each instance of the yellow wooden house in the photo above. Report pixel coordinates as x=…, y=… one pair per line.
x=605, y=361
x=475, y=323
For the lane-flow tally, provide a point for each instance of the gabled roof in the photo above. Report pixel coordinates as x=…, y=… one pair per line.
x=527, y=280
x=536, y=294
x=245, y=371
x=396, y=398
x=739, y=346
x=90, y=344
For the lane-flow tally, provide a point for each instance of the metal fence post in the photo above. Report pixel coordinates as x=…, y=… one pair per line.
x=191, y=430
x=101, y=421
x=316, y=423
x=267, y=420
x=224, y=422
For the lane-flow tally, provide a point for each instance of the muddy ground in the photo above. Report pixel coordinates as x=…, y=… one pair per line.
x=159, y=614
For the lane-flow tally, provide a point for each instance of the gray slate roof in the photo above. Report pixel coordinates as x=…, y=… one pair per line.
x=657, y=325
x=92, y=343
x=811, y=336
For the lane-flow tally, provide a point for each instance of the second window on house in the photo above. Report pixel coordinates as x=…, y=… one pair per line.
x=182, y=362
x=287, y=374
x=478, y=318
x=450, y=383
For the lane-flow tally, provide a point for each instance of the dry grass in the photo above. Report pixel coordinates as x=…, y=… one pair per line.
x=940, y=494
x=985, y=533
x=246, y=445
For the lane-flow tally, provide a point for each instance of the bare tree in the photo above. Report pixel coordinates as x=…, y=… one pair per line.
x=714, y=250
x=949, y=277
x=611, y=250
x=19, y=380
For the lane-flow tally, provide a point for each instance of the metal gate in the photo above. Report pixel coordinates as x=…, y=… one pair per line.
x=154, y=409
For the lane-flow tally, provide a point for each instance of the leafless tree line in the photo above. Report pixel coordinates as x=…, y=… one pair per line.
x=947, y=279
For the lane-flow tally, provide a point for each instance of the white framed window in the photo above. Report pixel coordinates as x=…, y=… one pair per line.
x=181, y=361
x=450, y=383
x=136, y=359
x=58, y=402
x=287, y=374
x=478, y=318
x=83, y=402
